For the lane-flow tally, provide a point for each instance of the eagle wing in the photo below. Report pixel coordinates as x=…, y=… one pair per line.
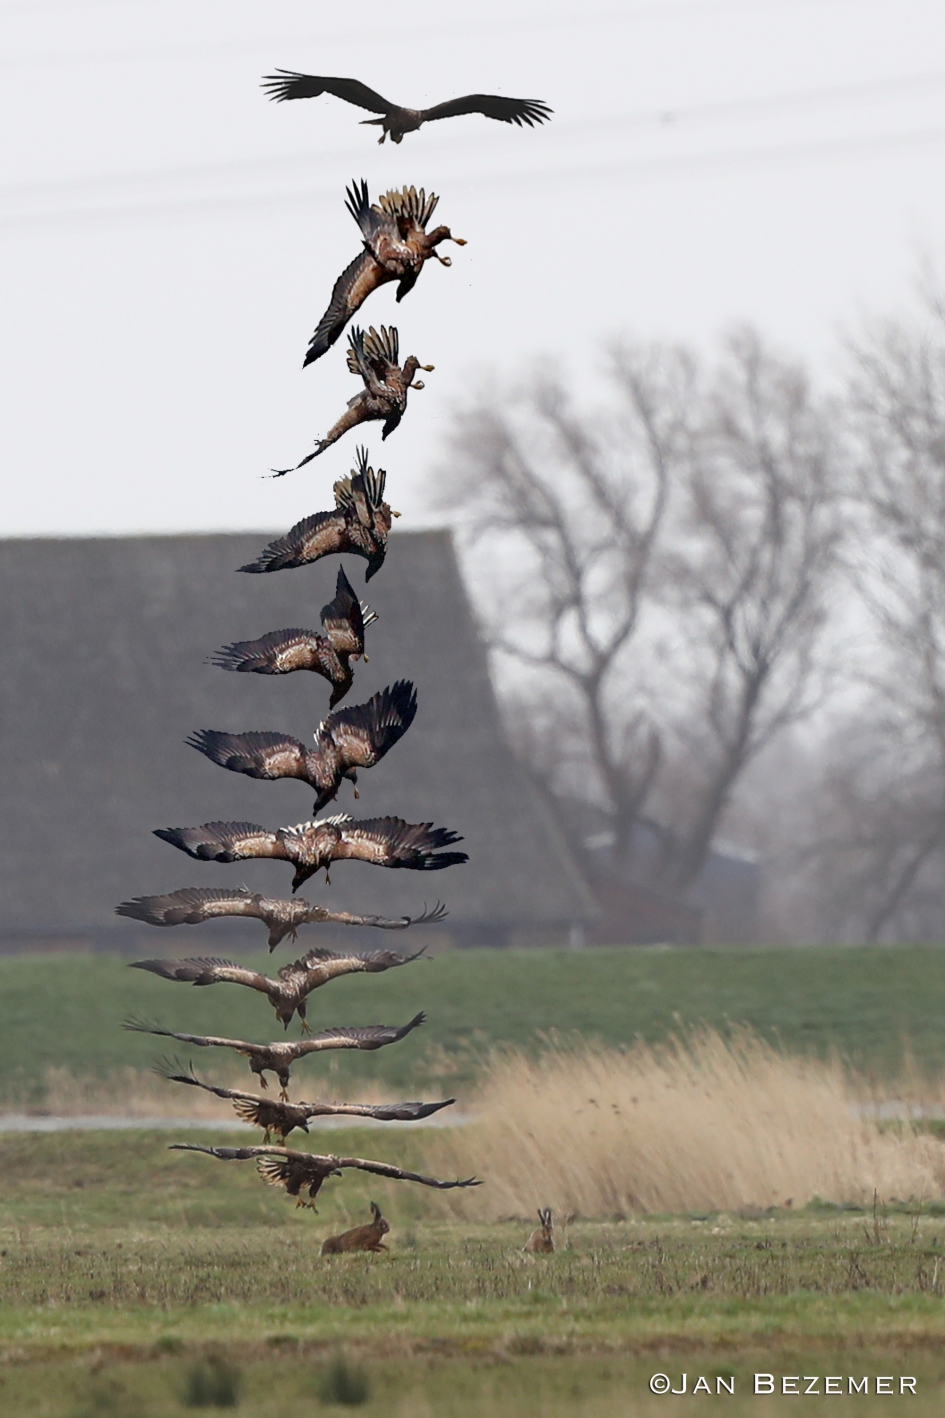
x=343, y=619
x=363, y=733
x=352, y=288
x=278, y=652
x=381, y=1112
x=319, y=535
x=192, y=905
x=371, y=1036
x=172, y=1070
x=391, y=842
x=373, y=355
x=225, y=841
x=506, y=110
x=288, y=84
x=347, y=918
x=258, y=755
x=371, y=220
x=385, y=1169
x=202, y=1041
x=205, y=970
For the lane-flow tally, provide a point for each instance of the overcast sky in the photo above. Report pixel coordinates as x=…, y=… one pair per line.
x=170, y=238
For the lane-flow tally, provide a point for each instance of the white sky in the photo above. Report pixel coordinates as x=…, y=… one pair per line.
x=170, y=238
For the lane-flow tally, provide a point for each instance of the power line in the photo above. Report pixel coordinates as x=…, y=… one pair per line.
x=252, y=204
x=649, y=118
x=623, y=15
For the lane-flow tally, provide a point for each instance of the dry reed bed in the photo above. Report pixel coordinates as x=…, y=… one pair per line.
x=709, y=1123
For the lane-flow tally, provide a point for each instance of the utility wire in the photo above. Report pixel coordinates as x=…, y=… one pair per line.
x=372, y=37
x=261, y=203
x=660, y=118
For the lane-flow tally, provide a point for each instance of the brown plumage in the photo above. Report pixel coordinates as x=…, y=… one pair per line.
x=374, y=356
x=194, y=904
x=281, y=1118
x=396, y=121
x=360, y=525
x=280, y=652
x=278, y=1057
x=396, y=247
x=360, y=1238
x=288, y=992
x=306, y=1171
x=382, y=841
x=348, y=739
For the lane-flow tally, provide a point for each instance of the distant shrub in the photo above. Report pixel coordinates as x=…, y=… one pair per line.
x=212, y=1383
x=344, y=1383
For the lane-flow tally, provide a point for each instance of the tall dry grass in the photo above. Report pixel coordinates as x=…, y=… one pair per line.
x=708, y=1123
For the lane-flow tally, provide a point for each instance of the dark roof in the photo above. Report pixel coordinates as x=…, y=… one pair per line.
x=103, y=676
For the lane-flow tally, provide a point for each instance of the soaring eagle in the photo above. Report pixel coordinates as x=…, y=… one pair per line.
x=288, y=992
x=283, y=1118
x=396, y=246
x=349, y=739
x=359, y=524
x=305, y=1171
x=375, y=357
x=194, y=904
x=279, y=1057
x=395, y=121
x=382, y=841
x=330, y=655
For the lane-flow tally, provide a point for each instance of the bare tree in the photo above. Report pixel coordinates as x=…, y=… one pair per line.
x=662, y=570
x=759, y=538
x=897, y=413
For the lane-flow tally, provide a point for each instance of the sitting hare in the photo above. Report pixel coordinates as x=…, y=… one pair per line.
x=542, y=1242
x=363, y=1238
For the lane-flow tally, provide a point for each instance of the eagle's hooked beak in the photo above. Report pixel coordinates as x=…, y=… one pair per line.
x=428, y=367
x=395, y=514
x=460, y=241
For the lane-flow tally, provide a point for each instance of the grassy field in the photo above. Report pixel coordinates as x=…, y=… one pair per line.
x=137, y=1280
x=126, y=1269
x=864, y=1002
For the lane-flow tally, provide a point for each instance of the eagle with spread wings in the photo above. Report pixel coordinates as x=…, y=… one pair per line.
x=279, y=1056
x=382, y=841
x=348, y=739
x=374, y=356
x=306, y=1171
x=330, y=655
x=288, y=992
x=395, y=121
x=280, y=1119
x=360, y=525
x=396, y=247
x=194, y=904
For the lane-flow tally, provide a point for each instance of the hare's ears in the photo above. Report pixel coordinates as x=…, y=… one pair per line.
x=544, y=1215
x=375, y=1211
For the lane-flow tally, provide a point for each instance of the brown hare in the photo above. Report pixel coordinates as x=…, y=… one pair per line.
x=542, y=1242
x=362, y=1238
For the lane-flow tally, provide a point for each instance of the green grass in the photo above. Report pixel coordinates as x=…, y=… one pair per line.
x=863, y=1002
x=132, y=1277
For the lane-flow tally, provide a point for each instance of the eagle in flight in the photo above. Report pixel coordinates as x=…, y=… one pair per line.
x=194, y=904
x=281, y=651
x=396, y=247
x=310, y=846
x=360, y=525
x=305, y=1171
x=374, y=356
x=288, y=992
x=395, y=121
x=279, y=1057
x=349, y=739
x=280, y=1119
